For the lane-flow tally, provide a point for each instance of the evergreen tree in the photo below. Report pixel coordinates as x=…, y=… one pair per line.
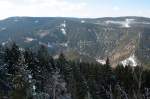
x=80, y=83
x=44, y=58
x=11, y=57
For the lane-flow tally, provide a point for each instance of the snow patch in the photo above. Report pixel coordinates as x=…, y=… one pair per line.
x=3, y=28
x=30, y=76
x=4, y=43
x=29, y=39
x=21, y=49
x=64, y=44
x=125, y=23
x=63, y=27
x=34, y=87
x=101, y=61
x=43, y=33
x=63, y=31
x=56, y=56
x=44, y=44
x=82, y=21
x=63, y=24
x=49, y=45
x=130, y=61
x=36, y=21
x=16, y=20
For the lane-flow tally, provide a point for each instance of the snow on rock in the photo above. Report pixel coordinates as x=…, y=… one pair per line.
x=29, y=39
x=101, y=61
x=130, y=61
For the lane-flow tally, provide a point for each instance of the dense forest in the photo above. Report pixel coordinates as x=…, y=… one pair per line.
x=30, y=74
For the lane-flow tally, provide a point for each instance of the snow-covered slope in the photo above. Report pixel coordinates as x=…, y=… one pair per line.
x=130, y=61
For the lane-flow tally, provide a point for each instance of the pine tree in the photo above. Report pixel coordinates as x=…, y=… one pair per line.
x=11, y=57
x=20, y=83
x=80, y=83
x=61, y=63
x=44, y=58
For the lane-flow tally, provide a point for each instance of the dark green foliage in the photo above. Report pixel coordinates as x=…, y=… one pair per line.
x=83, y=80
x=11, y=57
x=80, y=83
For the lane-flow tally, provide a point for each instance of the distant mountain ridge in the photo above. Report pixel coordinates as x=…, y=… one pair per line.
x=92, y=39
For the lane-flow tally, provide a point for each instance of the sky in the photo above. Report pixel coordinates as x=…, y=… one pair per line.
x=74, y=8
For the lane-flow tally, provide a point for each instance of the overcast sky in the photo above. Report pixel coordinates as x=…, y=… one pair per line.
x=74, y=8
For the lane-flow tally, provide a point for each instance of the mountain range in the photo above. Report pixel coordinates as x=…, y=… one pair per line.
x=124, y=40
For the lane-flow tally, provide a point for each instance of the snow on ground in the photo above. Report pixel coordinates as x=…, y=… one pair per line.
x=82, y=21
x=30, y=76
x=145, y=22
x=16, y=20
x=56, y=56
x=101, y=61
x=29, y=39
x=50, y=45
x=42, y=43
x=63, y=27
x=64, y=44
x=63, y=24
x=43, y=34
x=130, y=61
x=63, y=31
x=36, y=21
x=21, y=49
x=34, y=87
x=4, y=43
x=3, y=28
x=125, y=23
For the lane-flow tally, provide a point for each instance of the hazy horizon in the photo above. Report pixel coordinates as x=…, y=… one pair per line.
x=74, y=8
x=70, y=17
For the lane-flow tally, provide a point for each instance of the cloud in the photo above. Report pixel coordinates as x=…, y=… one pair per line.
x=41, y=8
x=67, y=8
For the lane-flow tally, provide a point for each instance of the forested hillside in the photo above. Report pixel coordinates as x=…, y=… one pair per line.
x=30, y=74
x=119, y=38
